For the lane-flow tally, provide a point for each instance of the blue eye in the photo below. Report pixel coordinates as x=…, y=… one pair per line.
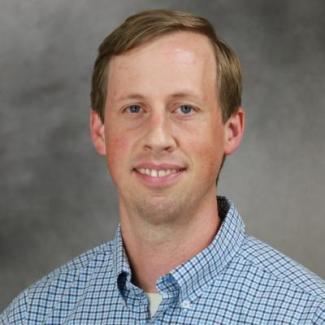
x=186, y=109
x=134, y=109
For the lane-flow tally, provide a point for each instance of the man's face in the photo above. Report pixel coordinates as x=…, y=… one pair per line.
x=163, y=133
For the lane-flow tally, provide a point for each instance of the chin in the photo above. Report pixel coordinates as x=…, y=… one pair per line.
x=159, y=210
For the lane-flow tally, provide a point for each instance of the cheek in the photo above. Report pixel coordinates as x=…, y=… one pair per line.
x=210, y=158
x=116, y=148
x=208, y=150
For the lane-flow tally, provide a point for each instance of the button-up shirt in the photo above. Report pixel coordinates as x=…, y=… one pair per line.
x=235, y=280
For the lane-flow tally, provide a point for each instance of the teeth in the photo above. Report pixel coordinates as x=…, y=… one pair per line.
x=156, y=173
x=161, y=173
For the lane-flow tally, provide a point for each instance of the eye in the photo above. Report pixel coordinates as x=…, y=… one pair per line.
x=185, y=109
x=133, y=109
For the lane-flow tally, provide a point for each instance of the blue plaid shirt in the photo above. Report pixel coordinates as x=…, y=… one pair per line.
x=235, y=280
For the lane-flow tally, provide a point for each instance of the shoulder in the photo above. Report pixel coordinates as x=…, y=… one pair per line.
x=283, y=284
x=64, y=283
x=262, y=279
x=276, y=265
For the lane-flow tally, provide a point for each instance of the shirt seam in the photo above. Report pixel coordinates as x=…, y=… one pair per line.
x=264, y=270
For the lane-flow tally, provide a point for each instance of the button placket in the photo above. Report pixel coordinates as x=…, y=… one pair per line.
x=186, y=304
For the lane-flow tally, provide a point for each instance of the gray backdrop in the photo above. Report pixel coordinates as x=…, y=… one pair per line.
x=56, y=197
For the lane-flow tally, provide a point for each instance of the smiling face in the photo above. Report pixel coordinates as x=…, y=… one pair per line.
x=163, y=133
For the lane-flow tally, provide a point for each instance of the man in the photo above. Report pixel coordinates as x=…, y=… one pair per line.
x=166, y=110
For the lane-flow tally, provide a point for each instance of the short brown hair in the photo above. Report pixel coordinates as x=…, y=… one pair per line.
x=148, y=25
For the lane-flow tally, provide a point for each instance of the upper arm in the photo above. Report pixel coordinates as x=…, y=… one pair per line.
x=15, y=313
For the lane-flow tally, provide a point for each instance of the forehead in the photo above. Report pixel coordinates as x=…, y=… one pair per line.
x=184, y=57
x=190, y=44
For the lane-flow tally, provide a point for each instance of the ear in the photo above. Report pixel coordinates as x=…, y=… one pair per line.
x=97, y=132
x=234, y=130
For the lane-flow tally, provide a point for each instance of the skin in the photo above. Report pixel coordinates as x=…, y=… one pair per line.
x=162, y=112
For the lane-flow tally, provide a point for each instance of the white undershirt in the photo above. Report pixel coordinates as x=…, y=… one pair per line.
x=154, y=302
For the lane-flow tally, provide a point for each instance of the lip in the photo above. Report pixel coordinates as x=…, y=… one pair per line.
x=159, y=182
x=152, y=165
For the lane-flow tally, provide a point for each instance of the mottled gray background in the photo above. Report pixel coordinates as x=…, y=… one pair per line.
x=56, y=197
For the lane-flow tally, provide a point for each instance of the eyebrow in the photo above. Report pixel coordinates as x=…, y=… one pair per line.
x=130, y=96
x=184, y=94
x=177, y=95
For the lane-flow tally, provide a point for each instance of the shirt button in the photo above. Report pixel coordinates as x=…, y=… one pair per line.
x=186, y=304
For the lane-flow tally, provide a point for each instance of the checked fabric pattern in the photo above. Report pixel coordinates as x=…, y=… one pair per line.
x=235, y=280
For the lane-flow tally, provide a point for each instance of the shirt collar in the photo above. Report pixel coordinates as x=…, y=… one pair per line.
x=121, y=265
x=199, y=271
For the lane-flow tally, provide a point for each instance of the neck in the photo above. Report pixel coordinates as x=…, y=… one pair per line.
x=155, y=249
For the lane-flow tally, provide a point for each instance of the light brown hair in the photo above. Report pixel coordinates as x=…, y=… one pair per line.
x=148, y=25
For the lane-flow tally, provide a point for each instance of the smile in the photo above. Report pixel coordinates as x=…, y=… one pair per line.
x=159, y=176
x=157, y=172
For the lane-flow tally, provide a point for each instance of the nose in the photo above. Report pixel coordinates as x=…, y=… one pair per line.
x=158, y=134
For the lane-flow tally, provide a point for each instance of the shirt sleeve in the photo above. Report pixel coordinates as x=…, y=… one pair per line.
x=319, y=318
x=15, y=313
